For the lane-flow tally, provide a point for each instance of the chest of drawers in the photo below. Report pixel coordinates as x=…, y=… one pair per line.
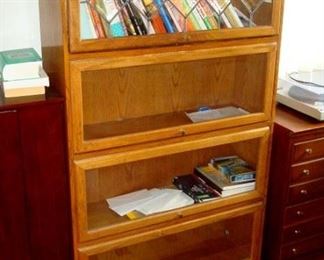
x=294, y=225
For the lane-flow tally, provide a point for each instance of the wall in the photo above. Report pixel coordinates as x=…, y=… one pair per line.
x=19, y=24
x=302, y=45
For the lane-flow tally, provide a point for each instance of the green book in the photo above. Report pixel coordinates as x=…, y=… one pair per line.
x=19, y=64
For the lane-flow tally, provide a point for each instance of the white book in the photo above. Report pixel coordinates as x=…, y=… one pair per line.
x=148, y=24
x=42, y=80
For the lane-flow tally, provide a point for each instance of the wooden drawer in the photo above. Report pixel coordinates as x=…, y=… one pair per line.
x=303, y=247
x=297, y=232
x=306, y=191
x=307, y=171
x=304, y=211
x=308, y=150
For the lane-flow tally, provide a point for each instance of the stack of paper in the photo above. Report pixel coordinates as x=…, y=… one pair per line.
x=149, y=201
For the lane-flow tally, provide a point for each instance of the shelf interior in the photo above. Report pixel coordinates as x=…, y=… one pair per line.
x=144, y=98
x=227, y=239
x=107, y=182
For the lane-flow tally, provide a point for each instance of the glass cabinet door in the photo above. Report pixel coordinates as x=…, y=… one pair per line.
x=118, y=24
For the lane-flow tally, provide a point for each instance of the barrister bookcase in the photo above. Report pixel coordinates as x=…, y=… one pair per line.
x=127, y=99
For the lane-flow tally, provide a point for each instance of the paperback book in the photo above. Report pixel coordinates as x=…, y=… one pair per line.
x=235, y=169
x=195, y=187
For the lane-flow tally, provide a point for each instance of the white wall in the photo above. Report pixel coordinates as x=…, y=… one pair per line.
x=19, y=24
x=302, y=46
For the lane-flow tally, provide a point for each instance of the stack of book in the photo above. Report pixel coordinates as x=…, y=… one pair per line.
x=21, y=73
x=116, y=18
x=222, y=177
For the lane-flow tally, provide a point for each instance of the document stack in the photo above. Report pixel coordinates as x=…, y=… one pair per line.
x=21, y=73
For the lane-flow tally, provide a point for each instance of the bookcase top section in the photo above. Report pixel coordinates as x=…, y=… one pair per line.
x=98, y=25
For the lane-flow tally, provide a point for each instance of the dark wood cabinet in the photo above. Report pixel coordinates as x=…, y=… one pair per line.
x=34, y=195
x=295, y=204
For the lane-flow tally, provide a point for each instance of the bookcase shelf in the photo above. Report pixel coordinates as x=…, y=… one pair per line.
x=127, y=99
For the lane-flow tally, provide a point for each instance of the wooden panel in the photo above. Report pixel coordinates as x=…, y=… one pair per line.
x=304, y=211
x=303, y=247
x=308, y=150
x=13, y=218
x=303, y=230
x=207, y=242
x=307, y=191
x=307, y=171
x=43, y=149
x=119, y=94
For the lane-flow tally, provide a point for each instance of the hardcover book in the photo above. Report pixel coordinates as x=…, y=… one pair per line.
x=216, y=180
x=19, y=64
x=195, y=187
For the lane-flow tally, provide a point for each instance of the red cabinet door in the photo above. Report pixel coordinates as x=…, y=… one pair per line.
x=42, y=130
x=13, y=217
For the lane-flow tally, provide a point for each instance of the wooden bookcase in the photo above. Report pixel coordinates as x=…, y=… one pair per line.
x=126, y=103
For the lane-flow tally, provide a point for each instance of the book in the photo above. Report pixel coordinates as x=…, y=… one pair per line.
x=154, y=15
x=195, y=187
x=23, y=91
x=230, y=13
x=96, y=19
x=193, y=15
x=179, y=12
x=87, y=29
x=209, y=18
x=235, y=169
x=216, y=180
x=26, y=87
x=116, y=27
x=177, y=18
x=167, y=21
x=19, y=64
x=142, y=12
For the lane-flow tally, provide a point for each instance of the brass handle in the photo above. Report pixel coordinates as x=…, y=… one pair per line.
x=297, y=231
x=309, y=150
x=303, y=192
x=294, y=251
x=306, y=172
x=299, y=213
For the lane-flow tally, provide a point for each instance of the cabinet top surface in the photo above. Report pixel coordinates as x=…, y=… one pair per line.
x=295, y=121
x=14, y=103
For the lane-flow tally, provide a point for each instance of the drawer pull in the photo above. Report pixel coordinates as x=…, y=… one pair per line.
x=306, y=172
x=297, y=231
x=294, y=251
x=303, y=192
x=299, y=213
x=309, y=150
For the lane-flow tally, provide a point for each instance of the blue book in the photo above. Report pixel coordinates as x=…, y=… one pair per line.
x=165, y=17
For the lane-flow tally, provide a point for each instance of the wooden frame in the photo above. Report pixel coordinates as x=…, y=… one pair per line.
x=77, y=45
x=192, y=54
x=99, y=160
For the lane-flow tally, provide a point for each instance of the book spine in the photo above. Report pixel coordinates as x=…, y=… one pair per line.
x=209, y=15
x=96, y=19
x=230, y=13
x=191, y=15
x=142, y=11
x=87, y=30
x=208, y=182
x=165, y=17
x=242, y=177
x=199, y=16
x=2, y=65
x=177, y=18
x=180, y=7
x=204, y=16
x=127, y=21
x=217, y=8
x=137, y=23
x=155, y=16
